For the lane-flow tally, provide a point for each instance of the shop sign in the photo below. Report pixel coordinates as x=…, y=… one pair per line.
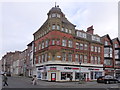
x=69, y=68
x=93, y=69
x=53, y=68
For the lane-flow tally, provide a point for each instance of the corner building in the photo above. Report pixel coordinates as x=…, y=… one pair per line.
x=61, y=51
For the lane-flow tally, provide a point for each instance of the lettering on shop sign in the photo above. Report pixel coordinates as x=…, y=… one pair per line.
x=69, y=68
x=53, y=68
x=92, y=69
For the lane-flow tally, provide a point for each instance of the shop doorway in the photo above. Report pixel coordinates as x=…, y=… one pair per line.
x=53, y=77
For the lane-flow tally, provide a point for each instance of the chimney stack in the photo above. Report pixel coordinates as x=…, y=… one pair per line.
x=90, y=30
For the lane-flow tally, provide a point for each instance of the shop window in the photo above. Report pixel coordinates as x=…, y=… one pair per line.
x=97, y=74
x=69, y=43
x=77, y=75
x=65, y=75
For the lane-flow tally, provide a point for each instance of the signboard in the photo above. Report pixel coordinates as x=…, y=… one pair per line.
x=69, y=68
x=53, y=68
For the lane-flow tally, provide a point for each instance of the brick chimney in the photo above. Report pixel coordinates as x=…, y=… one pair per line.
x=90, y=30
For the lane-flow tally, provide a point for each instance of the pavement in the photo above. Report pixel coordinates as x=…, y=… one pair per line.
x=23, y=82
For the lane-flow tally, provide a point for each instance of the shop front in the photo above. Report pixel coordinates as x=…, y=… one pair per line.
x=66, y=73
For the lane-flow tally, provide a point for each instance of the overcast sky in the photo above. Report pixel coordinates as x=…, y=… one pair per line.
x=21, y=19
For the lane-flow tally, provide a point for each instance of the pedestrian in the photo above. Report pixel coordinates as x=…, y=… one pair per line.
x=5, y=79
x=71, y=78
x=34, y=80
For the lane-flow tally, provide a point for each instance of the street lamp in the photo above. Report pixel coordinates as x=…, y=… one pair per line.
x=80, y=74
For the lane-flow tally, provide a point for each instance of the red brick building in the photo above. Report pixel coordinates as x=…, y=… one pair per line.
x=108, y=55
x=61, y=51
x=116, y=47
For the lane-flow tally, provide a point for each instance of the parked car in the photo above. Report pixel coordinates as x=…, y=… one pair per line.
x=107, y=79
x=118, y=78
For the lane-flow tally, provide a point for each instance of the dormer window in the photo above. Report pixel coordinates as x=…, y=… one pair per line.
x=58, y=15
x=53, y=15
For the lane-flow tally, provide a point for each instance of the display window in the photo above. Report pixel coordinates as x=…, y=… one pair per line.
x=65, y=75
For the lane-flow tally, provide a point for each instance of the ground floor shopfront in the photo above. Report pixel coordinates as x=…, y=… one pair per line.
x=65, y=72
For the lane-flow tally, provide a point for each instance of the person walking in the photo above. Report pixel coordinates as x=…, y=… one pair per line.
x=34, y=80
x=5, y=79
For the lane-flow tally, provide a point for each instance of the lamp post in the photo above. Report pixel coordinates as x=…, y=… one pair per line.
x=80, y=82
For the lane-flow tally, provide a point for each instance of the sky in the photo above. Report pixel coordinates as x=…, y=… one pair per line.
x=19, y=20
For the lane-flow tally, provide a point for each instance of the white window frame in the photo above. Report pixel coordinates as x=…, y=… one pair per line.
x=54, y=15
x=58, y=27
x=53, y=27
x=53, y=42
x=70, y=43
x=64, y=42
x=77, y=45
x=64, y=56
x=76, y=57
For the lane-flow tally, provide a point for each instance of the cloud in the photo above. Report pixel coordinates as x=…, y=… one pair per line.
x=21, y=20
